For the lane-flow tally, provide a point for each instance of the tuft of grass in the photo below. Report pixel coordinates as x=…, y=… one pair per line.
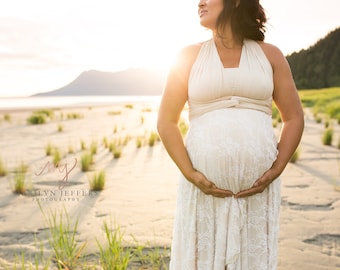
x=318, y=119
x=3, y=170
x=83, y=145
x=94, y=147
x=56, y=156
x=62, y=239
x=117, y=152
x=112, y=255
x=27, y=261
x=36, y=119
x=98, y=181
x=153, y=138
x=116, y=147
x=19, y=183
x=327, y=136
x=86, y=161
x=114, y=113
x=47, y=112
x=105, y=142
x=7, y=117
x=150, y=257
x=112, y=146
x=74, y=115
x=48, y=149
x=60, y=128
x=70, y=149
x=139, y=142
x=129, y=106
x=126, y=140
x=40, y=116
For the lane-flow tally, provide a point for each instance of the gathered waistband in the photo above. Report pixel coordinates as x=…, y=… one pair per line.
x=197, y=108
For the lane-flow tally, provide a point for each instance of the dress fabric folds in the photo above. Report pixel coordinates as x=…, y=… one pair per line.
x=231, y=141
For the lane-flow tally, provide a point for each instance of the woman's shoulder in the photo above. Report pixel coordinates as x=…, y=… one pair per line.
x=187, y=56
x=273, y=53
x=190, y=52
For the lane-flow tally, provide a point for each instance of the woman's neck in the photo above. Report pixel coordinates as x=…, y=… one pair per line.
x=228, y=40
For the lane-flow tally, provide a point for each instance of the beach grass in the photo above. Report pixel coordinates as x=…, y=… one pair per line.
x=139, y=142
x=153, y=138
x=97, y=183
x=74, y=115
x=69, y=252
x=7, y=117
x=60, y=128
x=56, y=156
x=49, y=149
x=19, y=185
x=94, y=147
x=3, y=169
x=114, y=113
x=86, y=161
x=41, y=116
x=36, y=119
x=327, y=137
x=83, y=145
x=117, y=152
x=112, y=254
x=47, y=112
x=67, y=249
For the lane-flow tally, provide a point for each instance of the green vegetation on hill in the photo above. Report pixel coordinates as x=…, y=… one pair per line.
x=318, y=66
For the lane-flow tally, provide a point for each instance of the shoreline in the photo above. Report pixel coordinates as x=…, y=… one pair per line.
x=18, y=104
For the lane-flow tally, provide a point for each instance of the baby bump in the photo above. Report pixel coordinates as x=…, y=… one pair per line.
x=232, y=147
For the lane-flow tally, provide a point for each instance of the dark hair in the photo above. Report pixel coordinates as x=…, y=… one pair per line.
x=247, y=19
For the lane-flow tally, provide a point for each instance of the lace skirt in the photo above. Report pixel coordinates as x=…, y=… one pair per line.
x=232, y=147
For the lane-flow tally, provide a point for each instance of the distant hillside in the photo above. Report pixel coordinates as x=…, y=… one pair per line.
x=129, y=82
x=319, y=65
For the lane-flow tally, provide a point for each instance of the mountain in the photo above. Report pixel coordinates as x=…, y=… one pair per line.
x=319, y=65
x=139, y=81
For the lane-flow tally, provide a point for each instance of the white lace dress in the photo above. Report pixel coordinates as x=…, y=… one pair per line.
x=231, y=141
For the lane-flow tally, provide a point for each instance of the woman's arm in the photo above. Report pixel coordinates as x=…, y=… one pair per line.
x=173, y=100
x=288, y=103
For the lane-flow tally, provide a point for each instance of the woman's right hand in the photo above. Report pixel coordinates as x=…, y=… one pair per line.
x=208, y=187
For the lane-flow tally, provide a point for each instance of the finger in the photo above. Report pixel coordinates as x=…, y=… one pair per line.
x=247, y=192
x=221, y=193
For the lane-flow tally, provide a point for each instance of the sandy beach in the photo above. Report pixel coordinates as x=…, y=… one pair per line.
x=141, y=185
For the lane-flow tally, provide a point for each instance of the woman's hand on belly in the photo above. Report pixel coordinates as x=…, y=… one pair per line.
x=259, y=185
x=208, y=187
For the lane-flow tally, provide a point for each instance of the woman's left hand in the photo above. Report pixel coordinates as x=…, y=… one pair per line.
x=259, y=186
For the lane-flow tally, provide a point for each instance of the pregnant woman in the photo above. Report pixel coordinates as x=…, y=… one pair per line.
x=229, y=193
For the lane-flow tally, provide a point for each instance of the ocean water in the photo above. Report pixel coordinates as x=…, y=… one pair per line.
x=72, y=101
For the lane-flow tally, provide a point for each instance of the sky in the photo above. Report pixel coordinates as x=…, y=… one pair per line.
x=46, y=44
